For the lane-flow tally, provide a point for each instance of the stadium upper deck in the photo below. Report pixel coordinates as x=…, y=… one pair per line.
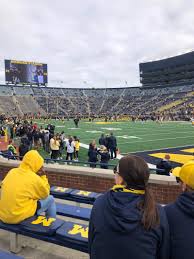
x=170, y=71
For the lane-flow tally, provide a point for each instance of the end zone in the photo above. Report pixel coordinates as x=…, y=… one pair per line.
x=178, y=155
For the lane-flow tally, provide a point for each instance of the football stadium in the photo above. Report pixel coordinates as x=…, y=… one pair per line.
x=93, y=172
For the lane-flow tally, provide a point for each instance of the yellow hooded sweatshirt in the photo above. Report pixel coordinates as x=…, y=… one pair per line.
x=22, y=188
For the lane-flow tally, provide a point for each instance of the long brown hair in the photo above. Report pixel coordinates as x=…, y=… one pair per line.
x=135, y=173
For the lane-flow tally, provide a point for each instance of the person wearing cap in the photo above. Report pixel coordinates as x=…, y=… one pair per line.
x=164, y=166
x=125, y=222
x=180, y=214
x=25, y=191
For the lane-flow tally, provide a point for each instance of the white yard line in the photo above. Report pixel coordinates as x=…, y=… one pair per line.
x=154, y=140
x=156, y=130
x=166, y=133
x=144, y=135
x=84, y=145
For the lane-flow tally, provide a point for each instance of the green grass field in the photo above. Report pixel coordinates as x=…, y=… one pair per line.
x=131, y=137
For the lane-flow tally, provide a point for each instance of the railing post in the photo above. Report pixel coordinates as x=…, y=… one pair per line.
x=15, y=247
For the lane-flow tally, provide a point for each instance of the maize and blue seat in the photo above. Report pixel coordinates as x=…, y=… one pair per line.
x=79, y=196
x=57, y=231
x=73, y=211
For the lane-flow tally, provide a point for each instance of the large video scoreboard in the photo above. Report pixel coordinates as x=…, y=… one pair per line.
x=25, y=72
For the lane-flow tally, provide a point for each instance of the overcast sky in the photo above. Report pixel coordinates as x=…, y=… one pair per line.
x=100, y=42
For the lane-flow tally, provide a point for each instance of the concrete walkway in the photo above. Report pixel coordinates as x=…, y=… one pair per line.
x=36, y=249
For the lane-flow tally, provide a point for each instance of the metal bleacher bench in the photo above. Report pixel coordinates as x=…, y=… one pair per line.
x=57, y=231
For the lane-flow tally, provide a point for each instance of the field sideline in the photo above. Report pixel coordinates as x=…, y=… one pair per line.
x=132, y=137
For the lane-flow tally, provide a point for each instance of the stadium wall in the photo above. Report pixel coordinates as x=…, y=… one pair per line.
x=165, y=188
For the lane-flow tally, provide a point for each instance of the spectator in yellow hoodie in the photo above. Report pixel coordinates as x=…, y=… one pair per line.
x=25, y=191
x=77, y=147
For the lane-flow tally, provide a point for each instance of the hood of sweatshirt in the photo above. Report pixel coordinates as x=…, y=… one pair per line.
x=122, y=210
x=186, y=203
x=32, y=161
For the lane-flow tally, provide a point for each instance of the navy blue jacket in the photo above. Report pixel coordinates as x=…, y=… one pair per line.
x=181, y=223
x=165, y=166
x=116, y=232
x=92, y=155
x=102, y=141
x=112, y=142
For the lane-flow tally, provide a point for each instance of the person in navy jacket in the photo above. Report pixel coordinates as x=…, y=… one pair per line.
x=125, y=222
x=180, y=215
x=164, y=166
x=92, y=154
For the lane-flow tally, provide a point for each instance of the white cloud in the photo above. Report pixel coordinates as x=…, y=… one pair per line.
x=100, y=42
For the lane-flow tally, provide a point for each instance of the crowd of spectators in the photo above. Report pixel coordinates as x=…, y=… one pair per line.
x=125, y=221
x=29, y=135
x=133, y=101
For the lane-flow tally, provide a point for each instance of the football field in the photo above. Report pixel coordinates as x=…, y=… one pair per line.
x=146, y=139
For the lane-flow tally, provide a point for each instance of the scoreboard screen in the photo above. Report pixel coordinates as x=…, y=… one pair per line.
x=25, y=72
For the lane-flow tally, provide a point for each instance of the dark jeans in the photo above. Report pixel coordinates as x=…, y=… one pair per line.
x=76, y=154
x=55, y=154
x=69, y=155
x=104, y=165
x=113, y=150
x=92, y=165
x=47, y=147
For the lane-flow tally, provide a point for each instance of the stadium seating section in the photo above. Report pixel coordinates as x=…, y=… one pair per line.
x=18, y=100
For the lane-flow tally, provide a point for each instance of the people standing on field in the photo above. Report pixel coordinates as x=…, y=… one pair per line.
x=54, y=147
x=92, y=154
x=36, y=137
x=102, y=140
x=70, y=146
x=112, y=146
x=62, y=144
x=47, y=141
x=104, y=157
x=76, y=121
x=110, y=142
x=77, y=148
x=23, y=148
